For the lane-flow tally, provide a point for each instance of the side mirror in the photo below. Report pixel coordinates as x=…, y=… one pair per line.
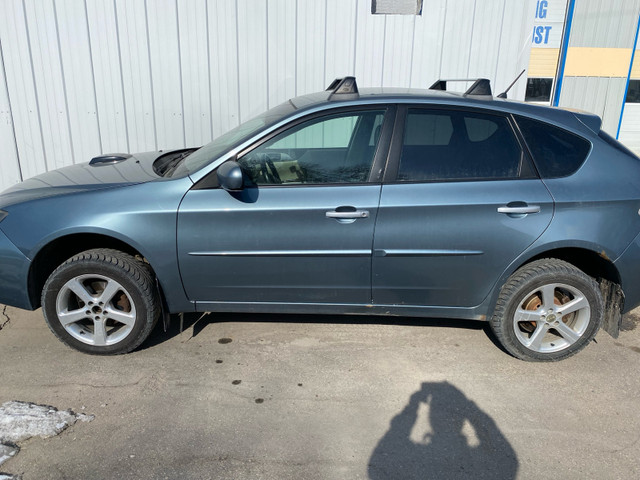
x=230, y=176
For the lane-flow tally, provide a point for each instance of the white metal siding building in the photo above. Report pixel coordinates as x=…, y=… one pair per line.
x=583, y=51
x=599, y=54
x=84, y=77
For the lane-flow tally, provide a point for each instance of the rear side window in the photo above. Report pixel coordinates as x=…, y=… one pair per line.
x=454, y=145
x=556, y=152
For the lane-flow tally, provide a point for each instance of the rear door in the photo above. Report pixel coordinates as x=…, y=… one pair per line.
x=301, y=231
x=460, y=202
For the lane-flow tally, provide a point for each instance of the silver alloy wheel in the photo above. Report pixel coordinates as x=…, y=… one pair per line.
x=551, y=318
x=95, y=310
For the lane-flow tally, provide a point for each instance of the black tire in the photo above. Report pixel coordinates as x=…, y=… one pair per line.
x=547, y=331
x=113, y=323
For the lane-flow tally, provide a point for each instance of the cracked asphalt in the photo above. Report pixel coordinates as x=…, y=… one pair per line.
x=323, y=397
x=5, y=318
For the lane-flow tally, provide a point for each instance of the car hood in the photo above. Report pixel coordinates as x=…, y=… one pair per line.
x=82, y=177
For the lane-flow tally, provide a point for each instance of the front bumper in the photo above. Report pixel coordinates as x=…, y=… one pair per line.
x=14, y=274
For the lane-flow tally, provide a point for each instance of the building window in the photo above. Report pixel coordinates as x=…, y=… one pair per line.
x=633, y=93
x=396, y=7
x=538, y=90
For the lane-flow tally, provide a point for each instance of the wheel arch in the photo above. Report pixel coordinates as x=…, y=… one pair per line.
x=597, y=265
x=57, y=251
x=590, y=259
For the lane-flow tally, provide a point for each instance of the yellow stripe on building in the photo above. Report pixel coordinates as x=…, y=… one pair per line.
x=635, y=70
x=597, y=62
x=543, y=62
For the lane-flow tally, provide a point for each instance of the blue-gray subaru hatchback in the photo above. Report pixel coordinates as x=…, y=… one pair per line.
x=417, y=203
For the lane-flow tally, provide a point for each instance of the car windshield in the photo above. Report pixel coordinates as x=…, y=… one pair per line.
x=233, y=137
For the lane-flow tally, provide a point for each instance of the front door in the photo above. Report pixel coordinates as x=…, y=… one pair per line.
x=301, y=231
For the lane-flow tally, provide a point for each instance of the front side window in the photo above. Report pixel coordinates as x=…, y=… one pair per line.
x=332, y=149
x=458, y=145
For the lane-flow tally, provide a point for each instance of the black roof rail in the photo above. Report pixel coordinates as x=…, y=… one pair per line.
x=343, y=86
x=481, y=86
x=440, y=85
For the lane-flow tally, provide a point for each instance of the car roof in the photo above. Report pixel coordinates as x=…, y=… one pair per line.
x=572, y=119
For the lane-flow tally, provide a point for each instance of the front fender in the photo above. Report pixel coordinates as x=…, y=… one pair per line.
x=143, y=216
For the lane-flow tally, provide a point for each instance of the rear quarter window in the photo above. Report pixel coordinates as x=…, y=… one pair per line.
x=556, y=152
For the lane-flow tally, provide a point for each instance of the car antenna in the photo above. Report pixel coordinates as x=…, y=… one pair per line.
x=504, y=94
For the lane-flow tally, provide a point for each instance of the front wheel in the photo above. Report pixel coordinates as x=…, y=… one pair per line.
x=102, y=302
x=547, y=311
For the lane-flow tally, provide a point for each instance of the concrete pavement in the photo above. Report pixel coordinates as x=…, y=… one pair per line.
x=320, y=397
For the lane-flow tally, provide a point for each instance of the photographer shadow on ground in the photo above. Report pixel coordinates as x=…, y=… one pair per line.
x=441, y=434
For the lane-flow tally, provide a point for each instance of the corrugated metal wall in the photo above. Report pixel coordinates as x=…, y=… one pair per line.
x=630, y=126
x=597, y=24
x=609, y=23
x=84, y=77
x=600, y=95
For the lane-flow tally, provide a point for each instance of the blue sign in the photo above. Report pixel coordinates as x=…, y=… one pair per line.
x=541, y=32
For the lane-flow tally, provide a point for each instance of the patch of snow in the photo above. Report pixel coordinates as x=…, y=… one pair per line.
x=20, y=421
x=84, y=417
x=8, y=476
x=6, y=452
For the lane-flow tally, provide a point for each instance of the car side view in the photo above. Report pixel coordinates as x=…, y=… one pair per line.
x=403, y=202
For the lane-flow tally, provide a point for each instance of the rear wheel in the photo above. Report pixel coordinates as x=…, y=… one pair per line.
x=547, y=311
x=102, y=302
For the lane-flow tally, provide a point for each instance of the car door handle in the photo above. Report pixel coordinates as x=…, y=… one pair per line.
x=348, y=215
x=519, y=210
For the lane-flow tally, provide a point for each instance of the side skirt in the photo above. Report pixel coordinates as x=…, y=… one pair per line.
x=473, y=313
